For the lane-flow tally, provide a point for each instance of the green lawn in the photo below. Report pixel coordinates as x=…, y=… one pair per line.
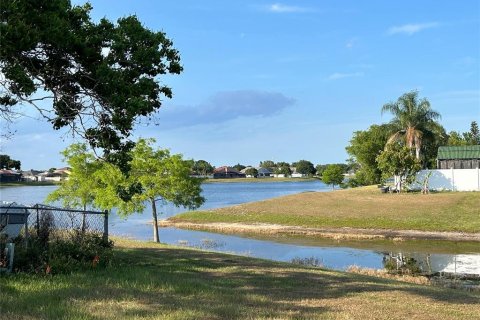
x=356, y=208
x=150, y=281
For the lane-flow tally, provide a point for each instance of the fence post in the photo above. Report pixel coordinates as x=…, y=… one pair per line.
x=38, y=221
x=105, y=225
x=26, y=229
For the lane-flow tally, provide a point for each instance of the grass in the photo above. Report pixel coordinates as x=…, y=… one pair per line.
x=259, y=180
x=356, y=208
x=151, y=281
x=28, y=183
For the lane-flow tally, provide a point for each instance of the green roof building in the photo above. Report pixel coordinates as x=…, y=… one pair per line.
x=458, y=157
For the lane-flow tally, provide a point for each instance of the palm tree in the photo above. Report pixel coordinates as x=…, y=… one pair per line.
x=413, y=120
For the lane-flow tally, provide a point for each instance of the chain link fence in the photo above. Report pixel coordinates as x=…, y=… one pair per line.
x=59, y=220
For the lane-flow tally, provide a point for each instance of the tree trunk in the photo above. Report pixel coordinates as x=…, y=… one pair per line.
x=155, y=221
x=417, y=151
x=84, y=218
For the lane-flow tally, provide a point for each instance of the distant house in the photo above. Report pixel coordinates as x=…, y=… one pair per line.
x=458, y=157
x=31, y=175
x=261, y=172
x=227, y=172
x=10, y=176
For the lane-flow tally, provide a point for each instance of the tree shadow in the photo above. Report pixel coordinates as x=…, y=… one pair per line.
x=146, y=282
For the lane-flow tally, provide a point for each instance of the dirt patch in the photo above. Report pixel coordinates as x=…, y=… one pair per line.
x=334, y=233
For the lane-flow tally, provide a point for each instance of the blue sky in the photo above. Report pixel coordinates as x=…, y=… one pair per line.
x=291, y=80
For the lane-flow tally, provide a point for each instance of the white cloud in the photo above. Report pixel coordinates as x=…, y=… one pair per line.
x=338, y=75
x=410, y=29
x=351, y=43
x=282, y=8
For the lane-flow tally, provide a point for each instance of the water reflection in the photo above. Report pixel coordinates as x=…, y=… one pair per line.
x=426, y=263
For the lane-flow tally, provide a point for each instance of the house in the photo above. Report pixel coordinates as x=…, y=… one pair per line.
x=31, y=175
x=458, y=157
x=264, y=173
x=10, y=176
x=227, y=172
x=261, y=172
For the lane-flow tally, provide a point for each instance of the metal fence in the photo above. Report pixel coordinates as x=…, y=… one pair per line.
x=60, y=219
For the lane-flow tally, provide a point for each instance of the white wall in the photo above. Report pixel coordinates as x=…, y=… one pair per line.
x=450, y=179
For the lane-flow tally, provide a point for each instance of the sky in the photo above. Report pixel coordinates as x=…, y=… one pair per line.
x=290, y=80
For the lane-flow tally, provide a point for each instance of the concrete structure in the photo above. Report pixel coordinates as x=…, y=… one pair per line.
x=449, y=179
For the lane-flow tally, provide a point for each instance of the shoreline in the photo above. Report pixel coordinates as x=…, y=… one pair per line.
x=331, y=233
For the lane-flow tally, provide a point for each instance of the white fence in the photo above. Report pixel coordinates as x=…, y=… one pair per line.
x=450, y=179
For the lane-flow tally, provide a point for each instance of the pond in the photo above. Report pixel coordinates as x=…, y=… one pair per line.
x=429, y=256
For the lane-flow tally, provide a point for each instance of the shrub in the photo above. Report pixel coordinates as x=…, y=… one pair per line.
x=65, y=252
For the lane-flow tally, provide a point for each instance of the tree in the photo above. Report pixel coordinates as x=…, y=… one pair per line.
x=251, y=172
x=456, y=139
x=239, y=167
x=433, y=139
x=304, y=167
x=364, y=148
x=97, y=78
x=398, y=161
x=79, y=190
x=268, y=164
x=8, y=163
x=202, y=167
x=158, y=176
x=412, y=120
x=320, y=168
x=333, y=174
x=472, y=137
x=283, y=168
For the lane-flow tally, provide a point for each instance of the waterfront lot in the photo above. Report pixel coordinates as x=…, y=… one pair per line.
x=355, y=208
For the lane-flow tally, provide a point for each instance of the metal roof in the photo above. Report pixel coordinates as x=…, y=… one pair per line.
x=459, y=152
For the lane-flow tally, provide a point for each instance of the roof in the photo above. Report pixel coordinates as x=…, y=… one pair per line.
x=459, y=152
x=225, y=169
x=264, y=170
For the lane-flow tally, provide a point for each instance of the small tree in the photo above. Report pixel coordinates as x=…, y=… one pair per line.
x=398, y=161
x=251, y=172
x=333, y=174
x=155, y=176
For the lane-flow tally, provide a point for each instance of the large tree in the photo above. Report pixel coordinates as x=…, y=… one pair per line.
x=97, y=78
x=364, y=148
x=8, y=163
x=202, y=167
x=304, y=167
x=413, y=119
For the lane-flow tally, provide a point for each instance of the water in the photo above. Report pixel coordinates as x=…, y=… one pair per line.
x=339, y=255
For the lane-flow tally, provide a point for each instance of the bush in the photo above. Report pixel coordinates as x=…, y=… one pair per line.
x=64, y=253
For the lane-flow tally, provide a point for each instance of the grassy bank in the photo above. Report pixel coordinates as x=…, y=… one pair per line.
x=28, y=183
x=149, y=281
x=356, y=208
x=259, y=180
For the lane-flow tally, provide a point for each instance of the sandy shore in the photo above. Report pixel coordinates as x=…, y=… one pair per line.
x=335, y=233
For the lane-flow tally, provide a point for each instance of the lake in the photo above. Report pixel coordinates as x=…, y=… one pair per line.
x=433, y=256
